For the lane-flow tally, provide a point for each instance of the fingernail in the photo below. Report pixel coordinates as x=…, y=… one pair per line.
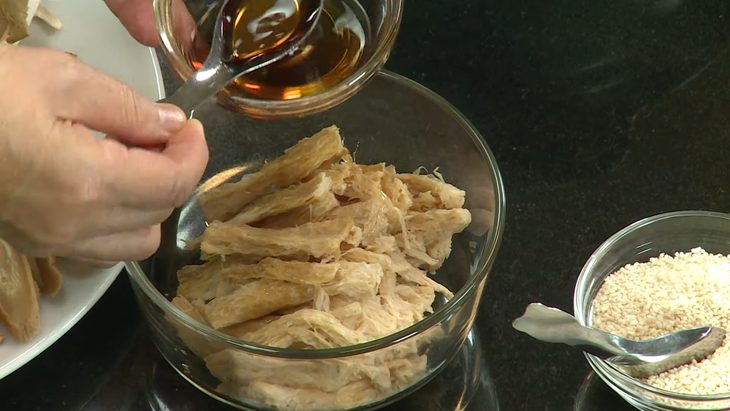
x=172, y=118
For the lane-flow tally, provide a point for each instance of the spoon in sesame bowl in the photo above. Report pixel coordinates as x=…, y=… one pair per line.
x=639, y=359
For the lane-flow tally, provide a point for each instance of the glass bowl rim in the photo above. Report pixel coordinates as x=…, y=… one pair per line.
x=488, y=255
x=602, y=367
x=371, y=67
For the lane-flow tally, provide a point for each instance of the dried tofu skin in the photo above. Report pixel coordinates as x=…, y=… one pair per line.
x=316, y=251
x=296, y=272
x=307, y=328
x=13, y=20
x=50, y=276
x=370, y=215
x=429, y=192
x=197, y=343
x=221, y=277
x=281, y=201
x=19, y=309
x=254, y=300
x=317, y=239
x=309, y=213
x=298, y=162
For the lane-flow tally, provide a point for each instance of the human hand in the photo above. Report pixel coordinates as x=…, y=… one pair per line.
x=138, y=17
x=66, y=193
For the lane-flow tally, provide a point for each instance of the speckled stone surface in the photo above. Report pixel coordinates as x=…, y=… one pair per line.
x=599, y=114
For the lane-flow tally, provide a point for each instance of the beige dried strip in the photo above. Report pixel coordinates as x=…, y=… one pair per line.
x=434, y=225
x=298, y=272
x=254, y=300
x=241, y=330
x=201, y=281
x=412, y=274
x=364, y=182
x=284, y=200
x=310, y=213
x=307, y=328
x=355, y=280
x=318, y=239
x=50, y=275
x=299, y=161
x=371, y=216
x=48, y=17
x=429, y=192
x=13, y=20
x=396, y=190
x=19, y=309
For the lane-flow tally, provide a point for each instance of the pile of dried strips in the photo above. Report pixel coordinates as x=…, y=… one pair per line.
x=316, y=251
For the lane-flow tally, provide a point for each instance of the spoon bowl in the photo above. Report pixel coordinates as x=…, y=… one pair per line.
x=247, y=36
x=640, y=359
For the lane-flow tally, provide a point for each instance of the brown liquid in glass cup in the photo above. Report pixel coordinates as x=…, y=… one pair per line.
x=330, y=54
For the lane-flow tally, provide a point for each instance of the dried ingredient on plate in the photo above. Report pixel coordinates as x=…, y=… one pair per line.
x=19, y=309
x=49, y=275
x=315, y=251
x=14, y=18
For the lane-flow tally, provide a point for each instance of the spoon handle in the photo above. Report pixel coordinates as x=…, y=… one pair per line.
x=203, y=84
x=556, y=326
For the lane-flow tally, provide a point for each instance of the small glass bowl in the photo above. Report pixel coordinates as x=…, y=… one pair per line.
x=392, y=120
x=178, y=36
x=665, y=233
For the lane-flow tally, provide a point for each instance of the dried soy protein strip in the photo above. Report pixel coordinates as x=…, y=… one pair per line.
x=254, y=300
x=319, y=239
x=429, y=192
x=285, y=200
x=298, y=162
x=19, y=309
x=219, y=277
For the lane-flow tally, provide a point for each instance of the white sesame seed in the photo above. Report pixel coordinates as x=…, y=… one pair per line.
x=670, y=293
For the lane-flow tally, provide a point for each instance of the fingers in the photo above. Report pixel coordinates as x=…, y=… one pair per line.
x=137, y=16
x=92, y=262
x=126, y=246
x=105, y=104
x=119, y=219
x=159, y=180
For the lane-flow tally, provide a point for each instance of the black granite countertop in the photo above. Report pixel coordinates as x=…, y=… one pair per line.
x=599, y=113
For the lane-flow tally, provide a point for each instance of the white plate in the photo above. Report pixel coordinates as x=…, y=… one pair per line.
x=93, y=33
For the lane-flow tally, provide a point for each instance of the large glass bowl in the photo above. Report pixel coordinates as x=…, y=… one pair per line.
x=180, y=42
x=665, y=233
x=392, y=120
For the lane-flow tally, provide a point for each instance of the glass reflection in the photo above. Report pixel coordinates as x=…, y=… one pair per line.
x=464, y=385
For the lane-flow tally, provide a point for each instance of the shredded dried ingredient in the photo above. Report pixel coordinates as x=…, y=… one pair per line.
x=666, y=294
x=15, y=18
x=22, y=278
x=19, y=309
x=315, y=251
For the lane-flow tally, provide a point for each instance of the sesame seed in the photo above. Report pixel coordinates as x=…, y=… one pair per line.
x=670, y=293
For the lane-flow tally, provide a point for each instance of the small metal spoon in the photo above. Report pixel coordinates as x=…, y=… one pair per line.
x=224, y=64
x=640, y=359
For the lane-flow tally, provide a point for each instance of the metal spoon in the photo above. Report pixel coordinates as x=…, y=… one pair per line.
x=225, y=63
x=639, y=359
